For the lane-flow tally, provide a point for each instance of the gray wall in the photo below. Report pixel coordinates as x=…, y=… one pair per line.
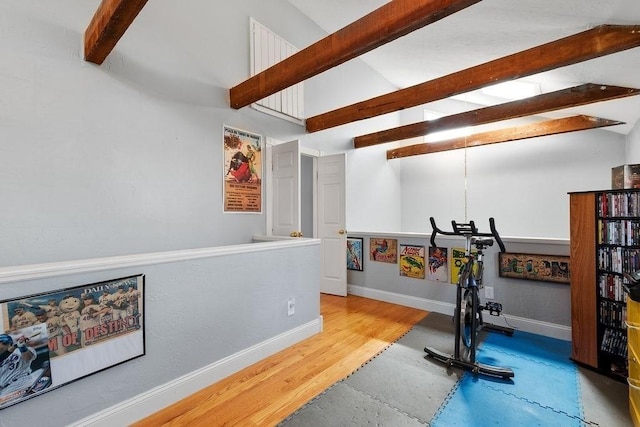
x=197, y=312
x=532, y=300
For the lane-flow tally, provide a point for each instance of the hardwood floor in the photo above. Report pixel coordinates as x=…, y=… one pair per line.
x=354, y=330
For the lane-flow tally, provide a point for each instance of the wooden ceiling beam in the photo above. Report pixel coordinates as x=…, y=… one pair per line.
x=566, y=98
x=593, y=43
x=108, y=25
x=385, y=24
x=546, y=128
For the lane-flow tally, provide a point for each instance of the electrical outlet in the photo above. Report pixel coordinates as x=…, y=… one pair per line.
x=488, y=292
x=291, y=306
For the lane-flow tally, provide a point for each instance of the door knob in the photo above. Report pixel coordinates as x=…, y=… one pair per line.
x=341, y=231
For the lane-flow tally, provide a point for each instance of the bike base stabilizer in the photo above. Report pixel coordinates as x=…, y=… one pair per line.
x=476, y=368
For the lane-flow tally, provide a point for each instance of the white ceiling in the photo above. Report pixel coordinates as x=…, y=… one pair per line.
x=492, y=29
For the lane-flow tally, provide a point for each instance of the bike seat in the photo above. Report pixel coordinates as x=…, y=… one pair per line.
x=486, y=242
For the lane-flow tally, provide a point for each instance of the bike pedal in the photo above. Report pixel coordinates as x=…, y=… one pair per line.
x=494, y=308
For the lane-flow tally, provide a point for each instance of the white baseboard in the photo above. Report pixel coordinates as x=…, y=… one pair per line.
x=552, y=330
x=162, y=396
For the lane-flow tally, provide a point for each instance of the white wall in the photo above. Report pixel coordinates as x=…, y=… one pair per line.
x=373, y=184
x=373, y=195
x=522, y=184
x=633, y=145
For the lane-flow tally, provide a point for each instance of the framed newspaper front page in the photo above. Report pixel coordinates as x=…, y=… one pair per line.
x=48, y=340
x=242, y=170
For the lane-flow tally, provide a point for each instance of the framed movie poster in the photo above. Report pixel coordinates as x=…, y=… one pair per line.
x=354, y=253
x=48, y=340
x=242, y=170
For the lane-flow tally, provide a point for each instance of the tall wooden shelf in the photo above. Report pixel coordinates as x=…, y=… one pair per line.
x=633, y=327
x=582, y=219
x=605, y=243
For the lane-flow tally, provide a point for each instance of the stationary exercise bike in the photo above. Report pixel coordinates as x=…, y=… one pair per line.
x=468, y=312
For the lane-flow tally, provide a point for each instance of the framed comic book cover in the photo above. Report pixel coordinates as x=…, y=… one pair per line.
x=50, y=339
x=457, y=259
x=438, y=264
x=412, y=263
x=383, y=250
x=354, y=253
x=545, y=268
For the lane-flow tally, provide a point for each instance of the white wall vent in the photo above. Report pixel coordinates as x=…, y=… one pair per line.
x=267, y=49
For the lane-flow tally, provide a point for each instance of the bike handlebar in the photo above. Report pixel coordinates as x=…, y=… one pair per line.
x=466, y=229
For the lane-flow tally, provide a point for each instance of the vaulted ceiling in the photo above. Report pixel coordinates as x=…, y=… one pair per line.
x=492, y=29
x=583, y=56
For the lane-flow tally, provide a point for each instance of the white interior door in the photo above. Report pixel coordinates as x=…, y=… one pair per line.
x=332, y=223
x=286, y=188
x=330, y=205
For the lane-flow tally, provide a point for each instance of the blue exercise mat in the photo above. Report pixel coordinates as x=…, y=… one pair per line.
x=543, y=392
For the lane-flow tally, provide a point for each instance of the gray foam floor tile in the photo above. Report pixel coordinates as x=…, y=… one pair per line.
x=417, y=387
x=403, y=387
x=342, y=406
x=605, y=402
